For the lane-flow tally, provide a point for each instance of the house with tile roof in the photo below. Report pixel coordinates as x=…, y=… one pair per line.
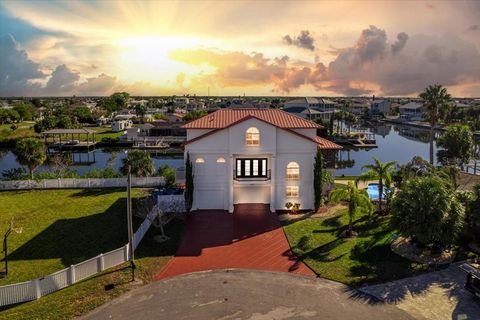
x=254, y=156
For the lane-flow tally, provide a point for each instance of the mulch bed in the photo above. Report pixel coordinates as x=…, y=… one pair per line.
x=404, y=248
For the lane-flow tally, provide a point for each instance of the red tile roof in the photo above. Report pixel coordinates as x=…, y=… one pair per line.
x=322, y=143
x=224, y=118
x=326, y=144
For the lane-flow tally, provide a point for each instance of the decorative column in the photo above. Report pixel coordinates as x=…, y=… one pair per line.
x=272, y=183
x=230, y=183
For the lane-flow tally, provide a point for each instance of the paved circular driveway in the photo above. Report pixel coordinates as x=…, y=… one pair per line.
x=245, y=294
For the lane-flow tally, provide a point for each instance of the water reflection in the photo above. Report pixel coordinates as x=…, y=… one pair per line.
x=83, y=162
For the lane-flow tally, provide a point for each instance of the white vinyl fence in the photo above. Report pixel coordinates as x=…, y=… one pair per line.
x=81, y=183
x=34, y=289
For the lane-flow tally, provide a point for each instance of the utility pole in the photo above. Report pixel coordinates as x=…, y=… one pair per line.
x=130, y=223
x=5, y=243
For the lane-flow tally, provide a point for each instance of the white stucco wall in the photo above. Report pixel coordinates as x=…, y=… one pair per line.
x=213, y=181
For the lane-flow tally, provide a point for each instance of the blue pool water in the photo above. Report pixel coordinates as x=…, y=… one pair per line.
x=373, y=193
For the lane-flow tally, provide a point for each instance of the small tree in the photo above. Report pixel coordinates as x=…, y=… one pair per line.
x=318, y=179
x=30, y=152
x=382, y=172
x=188, y=183
x=140, y=162
x=456, y=144
x=357, y=200
x=168, y=173
x=426, y=210
x=436, y=101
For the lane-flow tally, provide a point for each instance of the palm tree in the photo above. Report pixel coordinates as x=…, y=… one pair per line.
x=357, y=200
x=436, y=101
x=140, y=163
x=379, y=171
x=30, y=152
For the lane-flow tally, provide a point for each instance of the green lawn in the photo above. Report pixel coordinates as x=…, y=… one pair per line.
x=106, y=132
x=64, y=227
x=24, y=130
x=356, y=261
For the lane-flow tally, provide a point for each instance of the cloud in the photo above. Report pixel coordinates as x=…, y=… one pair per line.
x=402, y=38
x=16, y=70
x=473, y=27
x=303, y=40
x=370, y=65
x=97, y=86
x=62, y=80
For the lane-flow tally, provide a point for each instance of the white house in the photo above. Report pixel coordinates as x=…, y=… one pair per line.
x=254, y=156
x=412, y=111
x=121, y=125
x=378, y=107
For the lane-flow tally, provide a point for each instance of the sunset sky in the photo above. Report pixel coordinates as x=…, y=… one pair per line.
x=314, y=48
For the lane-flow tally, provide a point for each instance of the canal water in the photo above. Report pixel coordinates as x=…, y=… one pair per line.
x=95, y=159
x=395, y=142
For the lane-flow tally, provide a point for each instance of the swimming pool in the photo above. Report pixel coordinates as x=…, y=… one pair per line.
x=373, y=193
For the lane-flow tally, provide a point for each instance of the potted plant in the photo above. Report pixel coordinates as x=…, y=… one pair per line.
x=288, y=205
x=296, y=207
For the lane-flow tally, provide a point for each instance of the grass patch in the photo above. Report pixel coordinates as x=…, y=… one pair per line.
x=345, y=177
x=63, y=227
x=356, y=261
x=24, y=130
x=106, y=132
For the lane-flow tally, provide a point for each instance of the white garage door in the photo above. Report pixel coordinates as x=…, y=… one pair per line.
x=251, y=194
x=209, y=199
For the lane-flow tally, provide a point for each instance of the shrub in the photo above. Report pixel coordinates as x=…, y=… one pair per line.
x=15, y=174
x=168, y=173
x=426, y=210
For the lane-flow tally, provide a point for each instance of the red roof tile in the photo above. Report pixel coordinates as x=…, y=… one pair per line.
x=226, y=117
x=326, y=144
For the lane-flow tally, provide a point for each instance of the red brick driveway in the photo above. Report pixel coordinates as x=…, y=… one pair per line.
x=250, y=238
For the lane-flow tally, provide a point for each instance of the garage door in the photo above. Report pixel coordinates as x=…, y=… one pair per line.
x=209, y=199
x=251, y=194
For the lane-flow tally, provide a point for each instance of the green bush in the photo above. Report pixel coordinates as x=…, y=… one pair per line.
x=428, y=211
x=168, y=173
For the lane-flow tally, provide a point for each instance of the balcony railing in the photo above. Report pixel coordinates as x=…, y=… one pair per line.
x=252, y=178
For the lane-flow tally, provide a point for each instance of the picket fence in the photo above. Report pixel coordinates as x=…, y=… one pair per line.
x=65, y=183
x=35, y=289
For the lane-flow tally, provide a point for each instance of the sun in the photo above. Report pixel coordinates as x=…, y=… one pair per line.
x=147, y=58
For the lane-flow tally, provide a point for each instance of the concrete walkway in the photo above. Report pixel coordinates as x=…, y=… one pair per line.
x=245, y=294
x=434, y=296
x=250, y=238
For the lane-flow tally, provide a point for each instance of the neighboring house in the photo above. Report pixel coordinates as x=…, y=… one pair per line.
x=412, y=111
x=254, y=156
x=359, y=108
x=380, y=107
x=101, y=121
x=309, y=102
x=121, y=125
x=175, y=117
x=309, y=113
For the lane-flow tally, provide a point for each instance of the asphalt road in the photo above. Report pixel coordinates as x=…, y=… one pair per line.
x=246, y=294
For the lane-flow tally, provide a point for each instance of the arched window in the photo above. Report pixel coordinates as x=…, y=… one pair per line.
x=252, y=137
x=293, y=171
x=200, y=160
x=221, y=160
